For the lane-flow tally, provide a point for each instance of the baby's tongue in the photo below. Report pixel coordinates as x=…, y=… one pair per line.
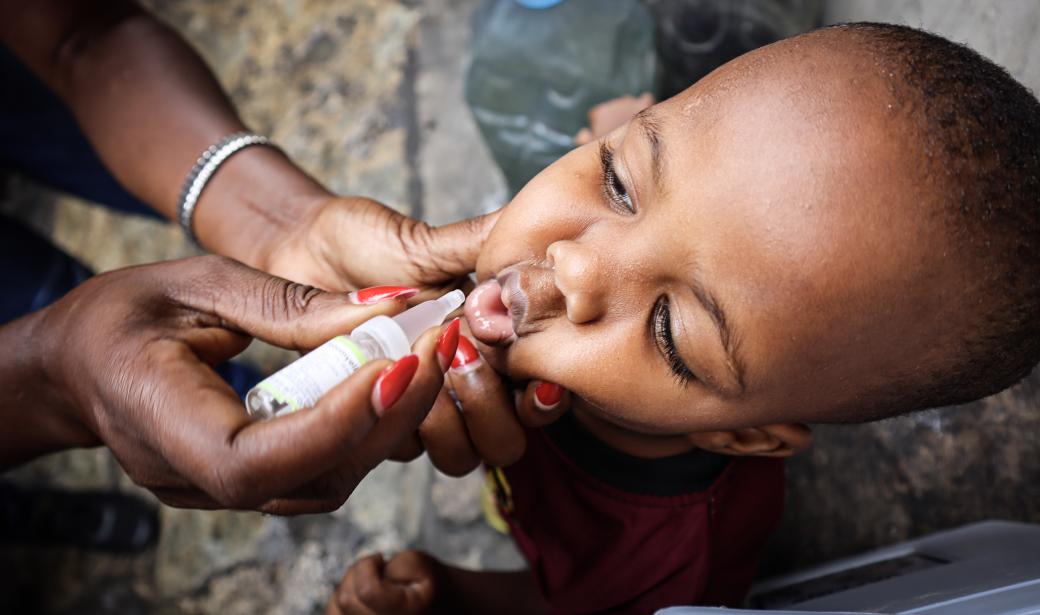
x=488, y=317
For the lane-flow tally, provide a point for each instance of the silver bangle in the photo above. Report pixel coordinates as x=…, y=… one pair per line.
x=204, y=168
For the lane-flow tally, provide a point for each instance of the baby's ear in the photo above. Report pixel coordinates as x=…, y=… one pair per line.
x=781, y=440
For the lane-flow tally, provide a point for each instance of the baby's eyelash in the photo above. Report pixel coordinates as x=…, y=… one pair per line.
x=662, y=331
x=614, y=190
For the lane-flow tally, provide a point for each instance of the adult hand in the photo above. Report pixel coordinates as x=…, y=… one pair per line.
x=125, y=358
x=480, y=416
x=349, y=242
x=345, y=243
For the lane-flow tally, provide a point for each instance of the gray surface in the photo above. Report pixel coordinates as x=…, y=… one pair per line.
x=367, y=96
x=459, y=178
x=988, y=568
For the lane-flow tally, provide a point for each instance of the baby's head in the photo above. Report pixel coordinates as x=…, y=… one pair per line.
x=842, y=226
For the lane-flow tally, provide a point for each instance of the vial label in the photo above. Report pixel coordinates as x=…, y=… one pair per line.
x=302, y=383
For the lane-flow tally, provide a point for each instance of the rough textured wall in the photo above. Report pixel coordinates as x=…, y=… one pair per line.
x=367, y=95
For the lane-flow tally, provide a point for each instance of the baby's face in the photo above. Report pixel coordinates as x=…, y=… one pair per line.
x=744, y=254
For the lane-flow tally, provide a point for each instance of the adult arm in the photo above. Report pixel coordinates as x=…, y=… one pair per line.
x=32, y=424
x=125, y=360
x=150, y=106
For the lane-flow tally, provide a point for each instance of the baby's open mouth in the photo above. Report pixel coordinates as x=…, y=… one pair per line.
x=493, y=308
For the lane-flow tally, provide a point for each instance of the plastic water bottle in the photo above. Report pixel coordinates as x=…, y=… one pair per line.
x=304, y=381
x=538, y=67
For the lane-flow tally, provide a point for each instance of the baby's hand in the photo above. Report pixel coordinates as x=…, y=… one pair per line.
x=404, y=585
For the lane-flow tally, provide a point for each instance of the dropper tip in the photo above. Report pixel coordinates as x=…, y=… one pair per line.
x=454, y=299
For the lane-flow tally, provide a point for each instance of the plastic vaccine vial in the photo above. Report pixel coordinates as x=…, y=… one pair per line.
x=303, y=382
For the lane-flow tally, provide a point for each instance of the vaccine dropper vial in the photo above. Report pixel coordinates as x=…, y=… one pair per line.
x=302, y=383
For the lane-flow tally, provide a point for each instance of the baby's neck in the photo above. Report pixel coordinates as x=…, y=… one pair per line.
x=625, y=440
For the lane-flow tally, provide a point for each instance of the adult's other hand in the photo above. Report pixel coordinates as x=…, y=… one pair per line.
x=124, y=360
x=480, y=416
x=344, y=243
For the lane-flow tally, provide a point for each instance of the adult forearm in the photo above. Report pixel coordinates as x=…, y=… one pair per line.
x=33, y=416
x=150, y=106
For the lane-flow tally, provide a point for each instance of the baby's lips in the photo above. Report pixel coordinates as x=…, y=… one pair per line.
x=488, y=318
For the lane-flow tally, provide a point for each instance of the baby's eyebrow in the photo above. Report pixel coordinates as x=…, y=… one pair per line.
x=651, y=129
x=729, y=341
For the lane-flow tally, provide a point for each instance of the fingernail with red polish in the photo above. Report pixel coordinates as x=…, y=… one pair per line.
x=466, y=357
x=375, y=294
x=547, y=395
x=392, y=383
x=447, y=343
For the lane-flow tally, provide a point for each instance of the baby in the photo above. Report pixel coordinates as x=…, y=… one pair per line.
x=840, y=227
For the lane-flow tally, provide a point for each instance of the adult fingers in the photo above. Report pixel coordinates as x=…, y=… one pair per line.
x=196, y=499
x=185, y=498
x=452, y=249
x=398, y=426
x=394, y=429
x=214, y=345
x=486, y=407
x=443, y=434
x=207, y=437
x=409, y=449
x=541, y=403
x=220, y=292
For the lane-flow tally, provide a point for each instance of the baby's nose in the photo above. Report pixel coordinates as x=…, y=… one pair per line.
x=580, y=276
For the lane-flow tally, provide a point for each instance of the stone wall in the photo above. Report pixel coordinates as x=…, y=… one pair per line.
x=367, y=96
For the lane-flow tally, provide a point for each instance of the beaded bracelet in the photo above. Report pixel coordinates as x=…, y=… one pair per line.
x=207, y=164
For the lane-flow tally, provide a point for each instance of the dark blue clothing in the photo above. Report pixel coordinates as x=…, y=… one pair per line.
x=40, y=138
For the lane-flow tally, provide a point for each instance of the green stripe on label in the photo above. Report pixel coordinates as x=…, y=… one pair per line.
x=266, y=385
x=352, y=348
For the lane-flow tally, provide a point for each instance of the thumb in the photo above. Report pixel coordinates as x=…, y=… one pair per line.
x=272, y=458
x=230, y=295
x=454, y=248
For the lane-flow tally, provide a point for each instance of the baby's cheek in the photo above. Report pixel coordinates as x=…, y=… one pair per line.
x=591, y=362
x=619, y=379
x=547, y=354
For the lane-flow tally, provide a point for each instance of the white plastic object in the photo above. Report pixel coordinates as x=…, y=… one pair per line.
x=304, y=381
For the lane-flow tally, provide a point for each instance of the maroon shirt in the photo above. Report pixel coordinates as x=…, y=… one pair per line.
x=606, y=532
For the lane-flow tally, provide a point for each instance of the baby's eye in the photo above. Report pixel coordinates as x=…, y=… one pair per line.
x=615, y=191
x=661, y=329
